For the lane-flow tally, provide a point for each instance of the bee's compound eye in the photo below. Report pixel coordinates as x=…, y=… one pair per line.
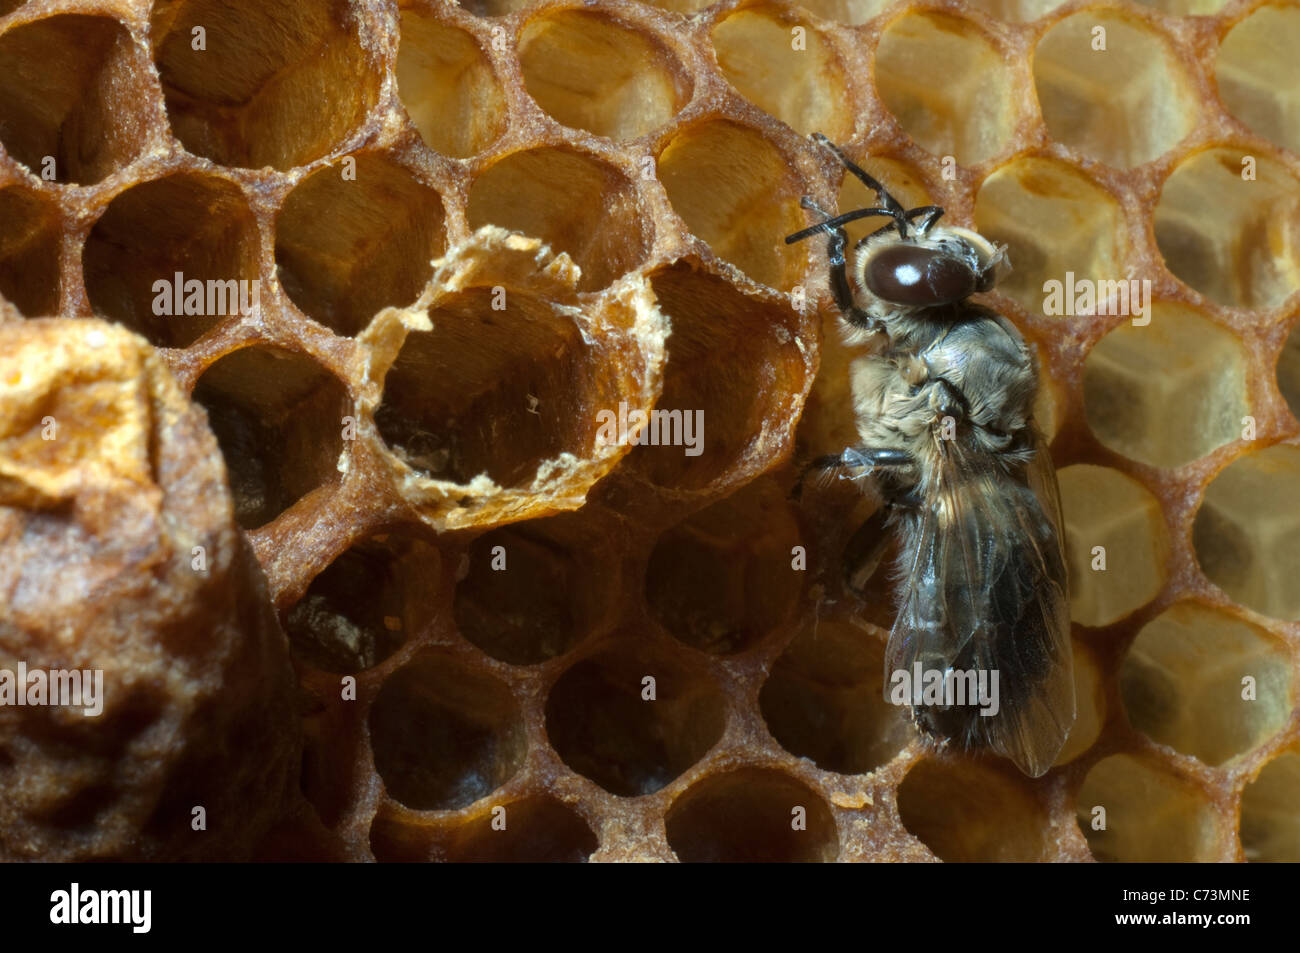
x=919, y=276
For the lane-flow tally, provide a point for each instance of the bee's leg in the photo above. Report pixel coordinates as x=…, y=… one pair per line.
x=866, y=549
x=854, y=458
x=880, y=457
x=840, y=287
x=841, y=290
x=943, y=397
x=947, y=400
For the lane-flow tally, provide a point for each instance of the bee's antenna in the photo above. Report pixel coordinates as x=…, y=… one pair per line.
x=830, y=224
x=892, y=207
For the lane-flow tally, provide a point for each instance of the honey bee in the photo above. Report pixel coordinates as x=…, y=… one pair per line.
x=944, y=416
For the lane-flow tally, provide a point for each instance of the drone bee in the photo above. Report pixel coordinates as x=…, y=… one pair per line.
x=943, y=412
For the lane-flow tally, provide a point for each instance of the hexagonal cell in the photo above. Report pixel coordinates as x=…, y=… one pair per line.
x=825, y=700
x=1270, y=823
x=734, y=190
x=278, y=418
x=1090, y=701
x=1247, y=253
x=447, y=85
x=73, y=92
x=1259, y=75
x=445, y=735
x=1183, y=683
x=532, y=192
x=995, y=818
x=1247, y=532
x=29, y=251
x=1058, y=225
x=1112, y=88
x=351, y=241
x=253, y=84
x=589, y=71
x=1114, y=524
x=1288, y=371
x=538, y=830
x=358, y=611
x=963, y=108
x=746, y=816
x=1134, y=812
x=603, y=723
x=197, y=227
x=491, y=390
x=802, y=85
x=723, y=579
x=721, y=402
x=1167, y=393
x=536, y=589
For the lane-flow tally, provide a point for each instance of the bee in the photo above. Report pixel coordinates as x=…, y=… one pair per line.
x=943, y=411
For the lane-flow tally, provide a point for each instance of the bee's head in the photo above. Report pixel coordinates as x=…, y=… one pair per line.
x=941, y=267
x=908, y=265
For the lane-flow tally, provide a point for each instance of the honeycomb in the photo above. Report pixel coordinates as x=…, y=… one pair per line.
x=459, y=233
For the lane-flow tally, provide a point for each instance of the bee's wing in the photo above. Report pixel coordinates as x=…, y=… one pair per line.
x=1041, y=476
x=985, y=590
x=1056, y=695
